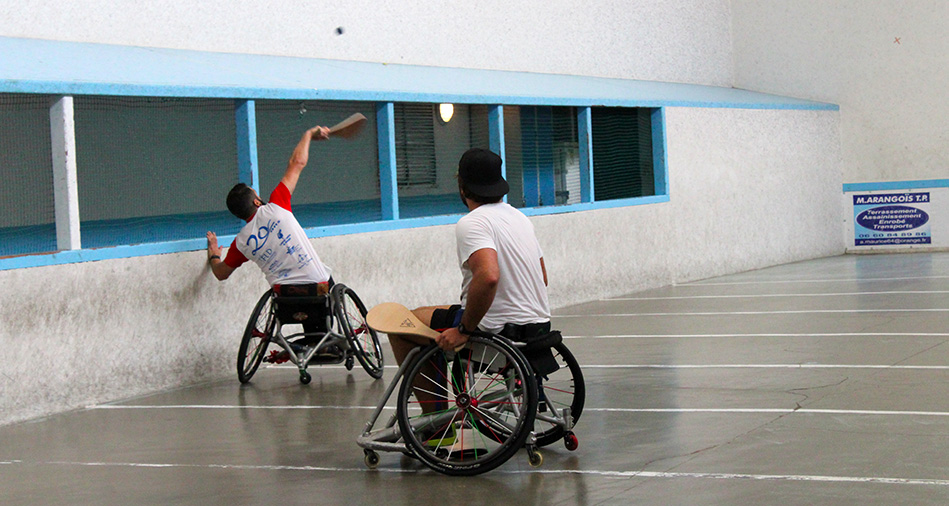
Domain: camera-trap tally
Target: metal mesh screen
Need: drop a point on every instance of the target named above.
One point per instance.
(341, 181)
(153, 169)
(27, 207)
(622, 153)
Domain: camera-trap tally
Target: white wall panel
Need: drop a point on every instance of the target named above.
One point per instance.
(667, 40)
(883, 62)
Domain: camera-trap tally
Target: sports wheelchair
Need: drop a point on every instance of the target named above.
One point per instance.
(343, 334)
(466, 412)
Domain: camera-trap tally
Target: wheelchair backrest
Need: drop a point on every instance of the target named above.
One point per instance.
(296, 309)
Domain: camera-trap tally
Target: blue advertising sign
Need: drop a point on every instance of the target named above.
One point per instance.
(893, 218)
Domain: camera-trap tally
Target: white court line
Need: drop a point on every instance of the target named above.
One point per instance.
(767, 366)
(773, 295)
(780, 411)
(836, 334)
(825, 280)
(747, 313)
(224, 406)
(714, 366)
(289, 365)
(585, 472)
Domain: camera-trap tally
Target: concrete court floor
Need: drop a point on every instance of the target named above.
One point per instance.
(820, 382)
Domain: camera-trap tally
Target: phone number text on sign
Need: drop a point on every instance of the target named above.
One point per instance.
(895, 218)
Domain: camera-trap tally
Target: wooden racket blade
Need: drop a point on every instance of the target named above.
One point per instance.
(349, 127)
(394, 318)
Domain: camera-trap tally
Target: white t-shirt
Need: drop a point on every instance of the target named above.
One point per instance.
(275, 241)
(521, 296)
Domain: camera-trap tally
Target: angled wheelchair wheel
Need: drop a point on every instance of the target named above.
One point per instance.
(256, 338)
(351, 315)
(468, 412)
(561, 389)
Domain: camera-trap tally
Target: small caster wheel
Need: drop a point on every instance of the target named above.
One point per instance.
(535, 458)
(570, 441)
(349, 363)
(305, 378)
(371, 459)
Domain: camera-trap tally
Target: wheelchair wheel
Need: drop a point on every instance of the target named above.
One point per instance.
(480, 420)
(256, 338)
(351, 314)
(561, 389)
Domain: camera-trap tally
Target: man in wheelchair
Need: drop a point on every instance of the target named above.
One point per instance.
(504, 287)
(275, 241)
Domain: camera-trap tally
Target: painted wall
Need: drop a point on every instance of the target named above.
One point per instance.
(666, 40)
(750, 188)
(883, 62)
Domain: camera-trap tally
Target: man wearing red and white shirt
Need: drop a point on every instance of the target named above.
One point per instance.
(275, 241)
(272, 237)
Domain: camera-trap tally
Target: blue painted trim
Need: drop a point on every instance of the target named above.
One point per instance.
(245, 114)
(897, 185)
(660, 169)
(56, 88)
(62, 88)
(496, 136)
(530, 154)
(73, 68)
(112, 253)
(388, 175)
(585, 132)
(119, 252)
(592, 206)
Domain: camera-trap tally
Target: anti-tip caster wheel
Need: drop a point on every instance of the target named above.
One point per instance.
(305, 378)
(349, 363)
(371, 459)
(535, 458)
(570, 441)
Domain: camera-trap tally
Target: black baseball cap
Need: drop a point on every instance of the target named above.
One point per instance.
(480, 170)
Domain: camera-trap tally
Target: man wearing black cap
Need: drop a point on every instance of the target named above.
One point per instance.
(505, 280)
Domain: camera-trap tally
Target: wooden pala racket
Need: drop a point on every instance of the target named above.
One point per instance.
(349, 127)
(394, 318)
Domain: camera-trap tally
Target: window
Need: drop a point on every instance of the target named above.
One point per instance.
(415, 145)
(153, 169)
(542, 155)
(427, 154)
(622, 153)
(27, 208)
(341, 181)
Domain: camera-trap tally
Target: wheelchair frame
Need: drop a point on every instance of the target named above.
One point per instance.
(353, 337)
(488, 406)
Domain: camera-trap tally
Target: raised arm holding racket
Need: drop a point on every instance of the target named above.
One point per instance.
(294, 262)
(272, 238)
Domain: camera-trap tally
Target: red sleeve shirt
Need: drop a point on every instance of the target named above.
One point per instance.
(234, 258)
(281, 197)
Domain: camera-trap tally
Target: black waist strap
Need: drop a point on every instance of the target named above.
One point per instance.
(525, 331)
